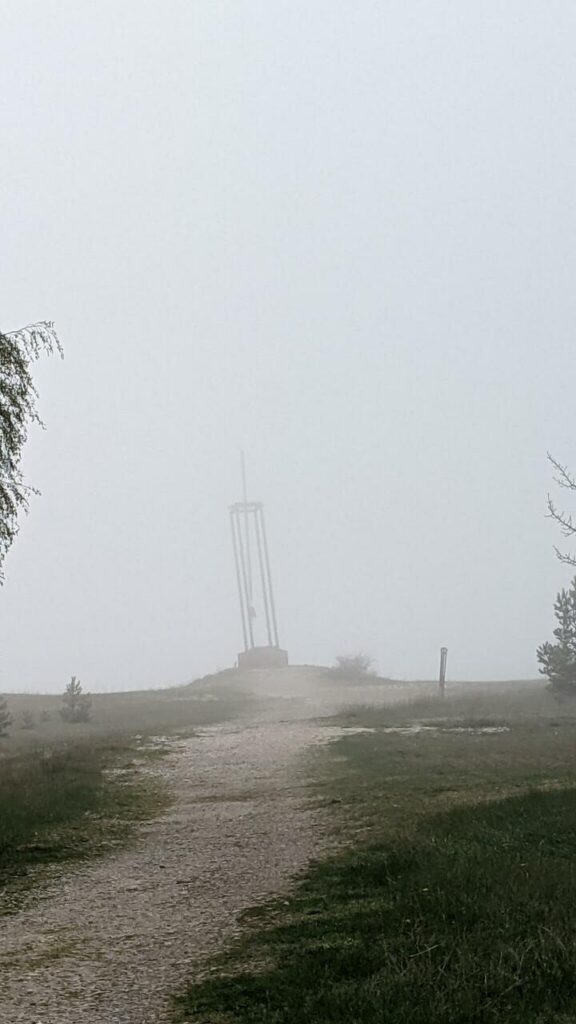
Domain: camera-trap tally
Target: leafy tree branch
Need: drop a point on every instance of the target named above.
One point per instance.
(18, 409)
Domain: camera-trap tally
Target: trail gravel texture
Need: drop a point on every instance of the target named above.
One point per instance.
(108, 943)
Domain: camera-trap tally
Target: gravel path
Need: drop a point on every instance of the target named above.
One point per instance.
(109, 942)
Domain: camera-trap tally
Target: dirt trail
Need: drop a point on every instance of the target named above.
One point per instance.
(110, 941)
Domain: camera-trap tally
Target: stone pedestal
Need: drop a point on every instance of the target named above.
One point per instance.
(263, 657)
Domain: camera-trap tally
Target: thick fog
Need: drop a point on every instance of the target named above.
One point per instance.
(337, 235)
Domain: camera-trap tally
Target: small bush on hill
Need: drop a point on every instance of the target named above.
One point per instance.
(353, 665)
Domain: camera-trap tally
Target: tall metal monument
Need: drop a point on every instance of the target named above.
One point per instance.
(254, 579)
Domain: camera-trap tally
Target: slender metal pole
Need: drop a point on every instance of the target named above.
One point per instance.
(245, 580)
(269, 576)
(247, 536)
(263, 577)
(238, 577)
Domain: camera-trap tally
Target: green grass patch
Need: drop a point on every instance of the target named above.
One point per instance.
(65, 803)
(69, 792)
(72, 791)
(453, 898)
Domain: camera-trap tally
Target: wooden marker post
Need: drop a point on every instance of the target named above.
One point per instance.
(443, 664)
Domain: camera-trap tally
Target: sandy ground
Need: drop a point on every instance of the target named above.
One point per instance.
(109, 942)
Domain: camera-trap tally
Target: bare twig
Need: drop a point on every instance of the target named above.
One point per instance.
(564, 519)
(564, 477)
(567, 559)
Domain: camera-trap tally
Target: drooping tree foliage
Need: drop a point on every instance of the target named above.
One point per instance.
(18, 409)
(558, 660)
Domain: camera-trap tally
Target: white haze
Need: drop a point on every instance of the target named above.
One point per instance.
(339, 235)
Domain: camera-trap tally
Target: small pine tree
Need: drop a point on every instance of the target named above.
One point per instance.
(558, 661)
(5, 717)
(77, 705)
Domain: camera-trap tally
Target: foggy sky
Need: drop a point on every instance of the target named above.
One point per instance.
(339, 235)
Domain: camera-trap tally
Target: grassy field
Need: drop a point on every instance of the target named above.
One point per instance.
(453, 895)
(69, 802)
(178, 709)
(72, 791)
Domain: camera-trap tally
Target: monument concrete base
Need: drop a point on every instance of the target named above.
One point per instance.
(263, 657)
